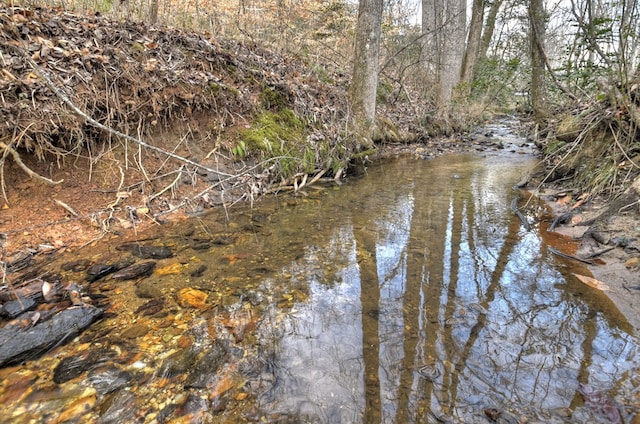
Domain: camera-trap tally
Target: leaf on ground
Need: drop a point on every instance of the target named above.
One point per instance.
(592, 282)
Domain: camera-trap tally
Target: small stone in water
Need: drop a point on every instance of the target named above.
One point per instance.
(192, 297)
(199, 271)
(135, 270)
(108, 379)
(148, 290)
(98, 271)
(137, 330)
(119, 408)
(69, 368)
(13, 308)
(147, 252)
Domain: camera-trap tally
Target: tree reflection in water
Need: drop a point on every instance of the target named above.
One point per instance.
(429, 301)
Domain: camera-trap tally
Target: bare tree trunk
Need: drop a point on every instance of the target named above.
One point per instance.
(489, 28)
(453, 37)
(364, 82)
(153, 12)
(537, 38)
(472, 51)
(430, 45)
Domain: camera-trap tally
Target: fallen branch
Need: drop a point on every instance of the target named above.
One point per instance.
(567, 256)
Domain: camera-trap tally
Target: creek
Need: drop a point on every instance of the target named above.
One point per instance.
(412, 294)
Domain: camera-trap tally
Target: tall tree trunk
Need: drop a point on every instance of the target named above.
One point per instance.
(430, 46)
(489, 28)
(537, 38)
(453, 37)
(364, 82)
(473, 44)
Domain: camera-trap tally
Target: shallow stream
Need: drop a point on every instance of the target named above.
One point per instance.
(413, 294)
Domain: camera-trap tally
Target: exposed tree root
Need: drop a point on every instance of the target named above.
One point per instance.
(65, 99)
(16, 158)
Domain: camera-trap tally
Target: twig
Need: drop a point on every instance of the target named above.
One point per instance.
(565, 255)
(65, 206)
(602, 252)
(173, 183)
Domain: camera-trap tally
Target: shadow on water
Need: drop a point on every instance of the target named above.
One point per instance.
(414, 295)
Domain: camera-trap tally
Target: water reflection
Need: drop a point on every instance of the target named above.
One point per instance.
(428, 301)
(414, 295)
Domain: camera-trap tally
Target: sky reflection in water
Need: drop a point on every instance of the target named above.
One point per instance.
(428, 299)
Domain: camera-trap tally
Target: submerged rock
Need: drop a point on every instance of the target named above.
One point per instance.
(108, 378)
(136, 270)
(119, 408)
(206, 368)
(147, 252)
(13, 308)
(18, 342)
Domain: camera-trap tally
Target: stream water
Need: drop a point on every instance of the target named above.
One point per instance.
(414, 294)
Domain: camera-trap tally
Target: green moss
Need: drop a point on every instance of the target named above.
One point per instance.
(272, 99)
(278, 135)
(554, 147)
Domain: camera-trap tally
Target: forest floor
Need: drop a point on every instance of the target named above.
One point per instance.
(130, 190)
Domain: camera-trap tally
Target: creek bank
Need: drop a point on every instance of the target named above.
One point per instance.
(612, 244)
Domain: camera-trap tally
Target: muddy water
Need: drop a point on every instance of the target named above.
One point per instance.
(411, 295)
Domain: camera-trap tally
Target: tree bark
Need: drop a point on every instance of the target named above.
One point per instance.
(489, 28)
(472, 51)
(453, 37)
(364, 82)
(430, 45)
(537, 39)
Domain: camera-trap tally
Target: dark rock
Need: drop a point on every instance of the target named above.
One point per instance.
(167, 412)
(13, 308)
(30, 290)
(98, 271)
(108, 379)
(193, 406)
(70, 368)
(76, 266)
(178, 363)
(19, 261)
(206, 368)
(200, 244)
(18, 343)
(152, 307)
(199, 271)
(118, 408)
(223, 240)
(147, 252)
(135, 270)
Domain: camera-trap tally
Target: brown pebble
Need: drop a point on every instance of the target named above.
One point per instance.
(135, 331)
(185, 342)
(632, 263)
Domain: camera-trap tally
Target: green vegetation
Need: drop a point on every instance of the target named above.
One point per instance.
(277, 135)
